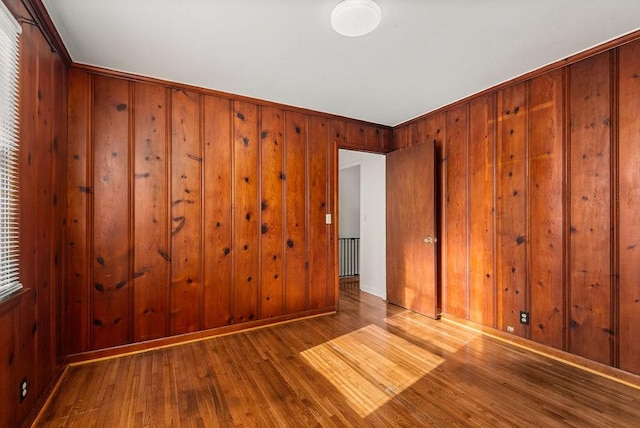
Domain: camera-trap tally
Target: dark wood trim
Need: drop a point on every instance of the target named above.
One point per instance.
(612, 44)
(195, 336)
(43, 21)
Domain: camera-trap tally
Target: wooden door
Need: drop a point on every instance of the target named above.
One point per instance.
(411, 229)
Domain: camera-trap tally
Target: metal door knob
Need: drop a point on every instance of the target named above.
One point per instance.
(430, 239)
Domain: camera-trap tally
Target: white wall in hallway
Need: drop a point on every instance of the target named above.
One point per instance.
(349, 207)
(373, 242)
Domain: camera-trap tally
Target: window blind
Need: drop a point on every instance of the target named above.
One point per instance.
(9, 204)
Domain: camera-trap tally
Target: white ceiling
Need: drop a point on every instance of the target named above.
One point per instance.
(423, 55)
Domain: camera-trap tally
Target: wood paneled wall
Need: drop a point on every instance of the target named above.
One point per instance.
(190, 210)
(540, 188)
(31, 326)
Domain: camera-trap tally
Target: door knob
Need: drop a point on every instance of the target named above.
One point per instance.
(430, 239)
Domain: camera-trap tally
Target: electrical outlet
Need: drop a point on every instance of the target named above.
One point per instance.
(524, 317)
(24, 388)
(510, 329)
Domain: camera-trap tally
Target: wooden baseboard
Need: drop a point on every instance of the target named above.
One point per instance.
(585, 364)
(34, 415)
(165, 342)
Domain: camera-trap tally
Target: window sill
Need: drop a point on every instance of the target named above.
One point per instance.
(9, 302)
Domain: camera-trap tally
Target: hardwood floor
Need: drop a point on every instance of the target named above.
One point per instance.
(372, 364)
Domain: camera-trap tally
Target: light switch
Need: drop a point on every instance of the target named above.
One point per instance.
(328, 219)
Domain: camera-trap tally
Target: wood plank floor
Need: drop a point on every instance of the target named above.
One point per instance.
(372, 364)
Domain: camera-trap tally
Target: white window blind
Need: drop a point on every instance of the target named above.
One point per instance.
(9, 215)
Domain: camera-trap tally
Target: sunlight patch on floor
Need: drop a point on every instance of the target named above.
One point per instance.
(424, 329)
(370, 366)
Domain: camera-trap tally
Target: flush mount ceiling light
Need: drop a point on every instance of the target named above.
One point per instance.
(353, 18)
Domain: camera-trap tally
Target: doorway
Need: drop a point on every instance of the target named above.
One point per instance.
(362, 216)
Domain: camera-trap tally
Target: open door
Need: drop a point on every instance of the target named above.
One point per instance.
(411, 229)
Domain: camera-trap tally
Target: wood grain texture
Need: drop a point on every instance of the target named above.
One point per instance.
(110, 286)
(246, 243)
(59, 223)
(566, 156)
(24, 358)
(435, 127)
(482, 181)
(590, 229)
(456, 275)
(333, 284)
(317, 208)
(8, 368)
(373, 364)
(32, 342)
(410, 199)
(151, 213)
(511, 209)
(206, 176)
(45, 177)
(373, 139)
(629, 191)
(272, 241)
(387, 140)
(217, 257)
(401, 137)
(186, 214)
(355, 135)
(338, 133)
(79, 183)
(296, 265)
(546, 217)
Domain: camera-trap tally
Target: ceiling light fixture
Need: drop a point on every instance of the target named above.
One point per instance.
(354, 18)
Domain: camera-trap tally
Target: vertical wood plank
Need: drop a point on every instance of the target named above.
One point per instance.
(457, 289)
(295, 250)
(59, 223)
(78, 198)
(217, 212)
(629, 191)
(8, 369)
(333, 292)
(43, 160)
(435, 127)
(186, 213)
(511, 216)
(482, 278)
(318, 231)
(387, 140)
(338, 132)
(25, 321)
(246, 241)
(590, 183)
(110, 293)
(417, 132)
(355, 135)
(151, 217)
(373, 138)
(400, 137)
(272, 239)
(546, 208)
